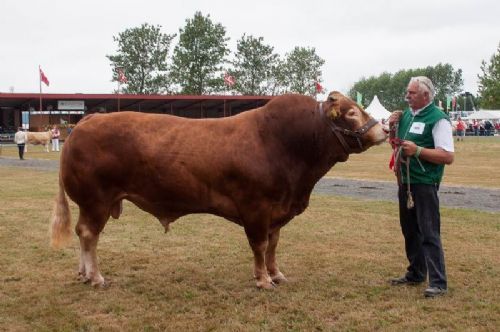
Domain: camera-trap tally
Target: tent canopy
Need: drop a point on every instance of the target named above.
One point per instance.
(485, 115)
(377, 110)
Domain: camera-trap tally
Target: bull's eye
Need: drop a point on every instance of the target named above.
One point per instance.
(352, 113)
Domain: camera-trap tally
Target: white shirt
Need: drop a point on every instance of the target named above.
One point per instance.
(442, 133)
(20, 137)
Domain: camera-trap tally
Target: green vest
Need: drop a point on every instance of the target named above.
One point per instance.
(418, 129)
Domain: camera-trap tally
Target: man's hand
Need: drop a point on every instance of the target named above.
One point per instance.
(409, 148)
(435, 156)
(395, 116)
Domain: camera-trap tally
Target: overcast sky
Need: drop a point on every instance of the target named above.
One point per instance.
(70, 39)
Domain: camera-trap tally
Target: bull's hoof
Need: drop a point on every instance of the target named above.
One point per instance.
(101, 285)
(82, 278)
(266, 285)
(279, 278)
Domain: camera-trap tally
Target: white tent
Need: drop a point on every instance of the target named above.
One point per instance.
(485, 115)
(377, 110)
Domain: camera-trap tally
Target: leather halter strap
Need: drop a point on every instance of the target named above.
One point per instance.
(341, 132)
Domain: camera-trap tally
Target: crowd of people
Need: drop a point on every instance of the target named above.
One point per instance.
(475, 128)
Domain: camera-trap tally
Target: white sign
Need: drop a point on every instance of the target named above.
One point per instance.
(417, 128)
(77, 105)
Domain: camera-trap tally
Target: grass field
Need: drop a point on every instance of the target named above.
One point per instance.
(338, 256)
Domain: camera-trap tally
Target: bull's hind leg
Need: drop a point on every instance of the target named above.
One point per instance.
(271, 264)
(88, 228)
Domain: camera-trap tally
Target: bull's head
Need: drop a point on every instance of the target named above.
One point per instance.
(355, 129)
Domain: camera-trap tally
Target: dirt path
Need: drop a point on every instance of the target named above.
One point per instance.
(450, 196)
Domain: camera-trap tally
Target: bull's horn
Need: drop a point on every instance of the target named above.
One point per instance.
(334, 111)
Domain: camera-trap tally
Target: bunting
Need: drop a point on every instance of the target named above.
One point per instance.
(121, 76)
(229, 80)
(359, 98)
(319, 87)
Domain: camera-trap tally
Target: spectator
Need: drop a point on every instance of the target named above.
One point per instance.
(460, 129)
(55, 138)
(475, 126)
(488, 128)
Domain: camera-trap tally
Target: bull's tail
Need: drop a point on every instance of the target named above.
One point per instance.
(60, 229)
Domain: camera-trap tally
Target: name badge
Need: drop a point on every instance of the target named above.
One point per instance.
(417, 128)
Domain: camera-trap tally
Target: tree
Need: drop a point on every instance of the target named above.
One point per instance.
(255, 64)
(489, 82)
(447, 82)
(199, 57)
(142, 54)
(391, 88)
(302, 69)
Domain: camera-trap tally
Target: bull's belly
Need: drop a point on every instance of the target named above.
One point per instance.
(176, 207)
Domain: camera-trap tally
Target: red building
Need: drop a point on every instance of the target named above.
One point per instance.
(23, 109)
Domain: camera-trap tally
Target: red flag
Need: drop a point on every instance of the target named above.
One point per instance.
(319, 88)
(229, 80)
(43, 78)
(121, 76)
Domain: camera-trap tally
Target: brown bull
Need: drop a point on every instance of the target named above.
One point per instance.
(256, 169)
(38, 138)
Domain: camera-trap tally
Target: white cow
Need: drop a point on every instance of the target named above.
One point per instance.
(38, 138)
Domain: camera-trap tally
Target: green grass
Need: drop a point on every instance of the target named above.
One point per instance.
(338, 256)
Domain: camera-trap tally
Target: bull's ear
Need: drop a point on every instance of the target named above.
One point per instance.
(334, 108)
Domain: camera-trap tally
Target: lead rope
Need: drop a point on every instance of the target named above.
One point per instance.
(409, 202)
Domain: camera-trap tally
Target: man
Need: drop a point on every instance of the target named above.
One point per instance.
(426, 143)
(460, 129)
(20, 140)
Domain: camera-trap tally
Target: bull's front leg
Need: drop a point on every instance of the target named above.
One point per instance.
(271, 264)
(257, 234)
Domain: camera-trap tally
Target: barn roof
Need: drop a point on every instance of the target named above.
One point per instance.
(143, 103)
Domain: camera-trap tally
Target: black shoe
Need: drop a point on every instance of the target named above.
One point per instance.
(404, 281)
(434, 291)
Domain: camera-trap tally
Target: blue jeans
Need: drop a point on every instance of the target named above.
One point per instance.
(421, 230)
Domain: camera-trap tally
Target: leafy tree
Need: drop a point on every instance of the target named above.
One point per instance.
(447, 82)
(255, 65)
(489, 82)
(301, 70)
(199, 56)
(278, 79)
(391, 88)
(142, 53)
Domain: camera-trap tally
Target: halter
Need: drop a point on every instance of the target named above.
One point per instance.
(341, 132)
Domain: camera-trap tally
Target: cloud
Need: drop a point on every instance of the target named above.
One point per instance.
(356, 38)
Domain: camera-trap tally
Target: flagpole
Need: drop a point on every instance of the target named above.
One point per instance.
(118, 95)
(40, 83)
